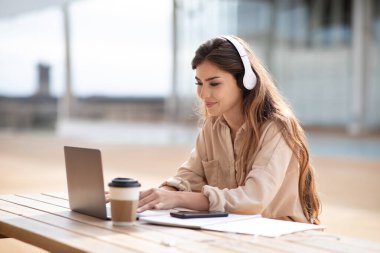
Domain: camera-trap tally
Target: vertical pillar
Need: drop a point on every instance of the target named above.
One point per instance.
(337, 21)
(317, 8)
(361, 34)
(273, 6)
(171, 101)
(65, 104)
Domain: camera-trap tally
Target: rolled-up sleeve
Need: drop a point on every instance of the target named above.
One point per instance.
(190, 176)
(262, 183)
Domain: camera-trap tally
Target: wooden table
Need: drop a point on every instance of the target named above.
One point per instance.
(46, 221)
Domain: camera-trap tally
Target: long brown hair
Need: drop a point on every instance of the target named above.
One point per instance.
(261, 104)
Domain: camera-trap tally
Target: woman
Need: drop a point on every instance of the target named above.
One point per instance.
(250, 155)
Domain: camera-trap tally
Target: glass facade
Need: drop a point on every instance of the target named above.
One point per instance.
(323, 55)
(25, 42)
(373, 116)
(307, 46)
(121, 48)
(114, 44)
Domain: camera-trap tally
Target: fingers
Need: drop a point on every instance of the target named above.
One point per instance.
(150, 199)
(148, 206)
(157, 199)
(143, 194)
(148, 203)
(147, 200)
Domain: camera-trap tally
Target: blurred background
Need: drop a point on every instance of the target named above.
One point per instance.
(116, 75)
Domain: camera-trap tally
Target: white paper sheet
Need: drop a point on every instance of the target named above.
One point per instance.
(263, 227)
(243, 224)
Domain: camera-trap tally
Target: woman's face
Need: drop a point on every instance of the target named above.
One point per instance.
(218, 90)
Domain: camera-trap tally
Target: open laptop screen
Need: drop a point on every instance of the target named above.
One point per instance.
(85, 181)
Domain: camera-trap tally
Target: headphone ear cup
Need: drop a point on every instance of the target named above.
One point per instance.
(249, 77)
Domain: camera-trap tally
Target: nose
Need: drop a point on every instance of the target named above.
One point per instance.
(203, 91)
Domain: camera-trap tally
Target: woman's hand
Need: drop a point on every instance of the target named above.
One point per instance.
(158, 199)
(167, 199)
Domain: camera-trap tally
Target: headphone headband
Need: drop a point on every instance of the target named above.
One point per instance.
(249, 78)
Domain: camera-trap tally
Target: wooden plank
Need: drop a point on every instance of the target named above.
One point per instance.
(145, 234)
(284, 244)
(299, 242)
(229, 241)
(180, 235)
(46, 199)
(261, 242)
(13, 245)
(198, 235)
(60, 195)
(365, 244)
(265, 244)
(49, 237)
(328, 242)
(159, 237)
(229, 244)
(192, 236)
(84, 230)
(274, 243)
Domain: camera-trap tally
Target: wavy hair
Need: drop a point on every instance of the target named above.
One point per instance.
(261, 104)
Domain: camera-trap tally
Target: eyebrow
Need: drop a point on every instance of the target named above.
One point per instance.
(208, 79)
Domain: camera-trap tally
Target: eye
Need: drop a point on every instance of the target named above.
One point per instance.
(214, 84)
(198, 83)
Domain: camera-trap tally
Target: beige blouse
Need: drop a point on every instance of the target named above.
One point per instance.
(269, 187)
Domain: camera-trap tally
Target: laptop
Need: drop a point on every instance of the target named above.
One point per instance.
(85, 183)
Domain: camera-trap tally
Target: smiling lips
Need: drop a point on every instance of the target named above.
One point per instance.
(210, 104)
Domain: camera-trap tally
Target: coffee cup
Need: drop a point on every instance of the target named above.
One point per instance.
(124, 198)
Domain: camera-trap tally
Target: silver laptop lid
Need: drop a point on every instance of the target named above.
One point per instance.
(85, 182)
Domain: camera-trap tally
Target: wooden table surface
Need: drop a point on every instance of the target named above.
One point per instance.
(46, 221)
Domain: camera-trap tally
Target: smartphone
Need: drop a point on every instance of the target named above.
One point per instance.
(197, 214)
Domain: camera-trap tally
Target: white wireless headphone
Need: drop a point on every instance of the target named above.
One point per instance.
(249, 79)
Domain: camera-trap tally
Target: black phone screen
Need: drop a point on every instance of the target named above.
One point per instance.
(197, 214)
